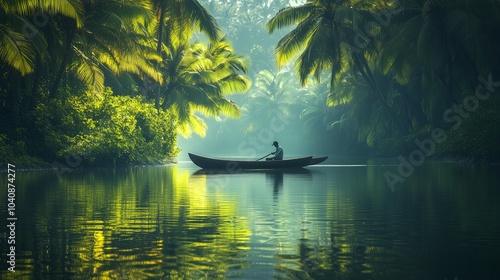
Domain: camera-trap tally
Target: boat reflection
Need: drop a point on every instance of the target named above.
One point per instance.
(274, 177)
(224, 171)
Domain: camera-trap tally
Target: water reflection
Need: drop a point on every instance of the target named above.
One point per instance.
(140, 223)
(176, 222)
(276, 178)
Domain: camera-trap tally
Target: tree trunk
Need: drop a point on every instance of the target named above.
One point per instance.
(161, 22)
(35, 98)
(12, 104)
(62, 68)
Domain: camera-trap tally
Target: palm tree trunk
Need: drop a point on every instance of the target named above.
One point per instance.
(35, 98)
(62, 68)
(13, 100)
(161, 22)
(418, 113)
(450, 81)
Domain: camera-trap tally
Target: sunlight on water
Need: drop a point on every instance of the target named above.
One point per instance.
(326, 222)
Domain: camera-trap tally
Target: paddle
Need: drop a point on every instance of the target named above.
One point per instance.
(264, 156)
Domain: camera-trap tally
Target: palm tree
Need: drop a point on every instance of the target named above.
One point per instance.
(197, 79)
(322, 39)
(176, 20)
(319, 114)
(272, 97)
(19, 37)
(443, 44)
(22, 46)
(109, 43)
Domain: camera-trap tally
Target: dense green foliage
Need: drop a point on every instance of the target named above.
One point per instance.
(104, 129)
(110, 82)
(388, 72)
(403, 68)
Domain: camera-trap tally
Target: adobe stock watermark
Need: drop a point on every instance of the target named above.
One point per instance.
(427, 147)
(72, 161)
(39, 20)
(12, 219)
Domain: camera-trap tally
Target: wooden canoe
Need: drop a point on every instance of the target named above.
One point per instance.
(234, 164)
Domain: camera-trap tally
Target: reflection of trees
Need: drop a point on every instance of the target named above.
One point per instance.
(162, 223)
(134, 223)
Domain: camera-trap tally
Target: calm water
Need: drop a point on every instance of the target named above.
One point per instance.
(336, 221)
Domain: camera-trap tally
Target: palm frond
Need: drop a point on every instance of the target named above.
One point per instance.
(290, 16)
(70, 8)
(234, 84)
(132, 9)
(16, 50)
(88, 72)
(398, 55)
(318, 54)
(110, 61)
(463, 25)
(295, 41)
(229, 108)
(198, 15)
(141, 67)
(198, 64)
(194, 124)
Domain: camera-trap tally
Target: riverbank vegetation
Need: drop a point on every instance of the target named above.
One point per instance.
(116, 82)
(111, 82)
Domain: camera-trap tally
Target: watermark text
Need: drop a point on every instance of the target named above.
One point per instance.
(11, 218)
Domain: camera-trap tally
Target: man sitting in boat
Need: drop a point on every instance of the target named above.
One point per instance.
(278, 154)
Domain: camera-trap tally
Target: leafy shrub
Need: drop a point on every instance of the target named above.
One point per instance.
(105, 129)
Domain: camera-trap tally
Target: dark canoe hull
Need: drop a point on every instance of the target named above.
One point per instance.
(317, 160)
(234, 165)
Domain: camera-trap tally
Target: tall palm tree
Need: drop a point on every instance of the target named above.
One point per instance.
(322, 40)
(19, 36)
(22, 46)
(108, 43)
(176, 20)
(198, 78)
(444, 44)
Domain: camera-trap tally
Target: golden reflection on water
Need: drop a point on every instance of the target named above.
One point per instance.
(173, 223)
(132, 224)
